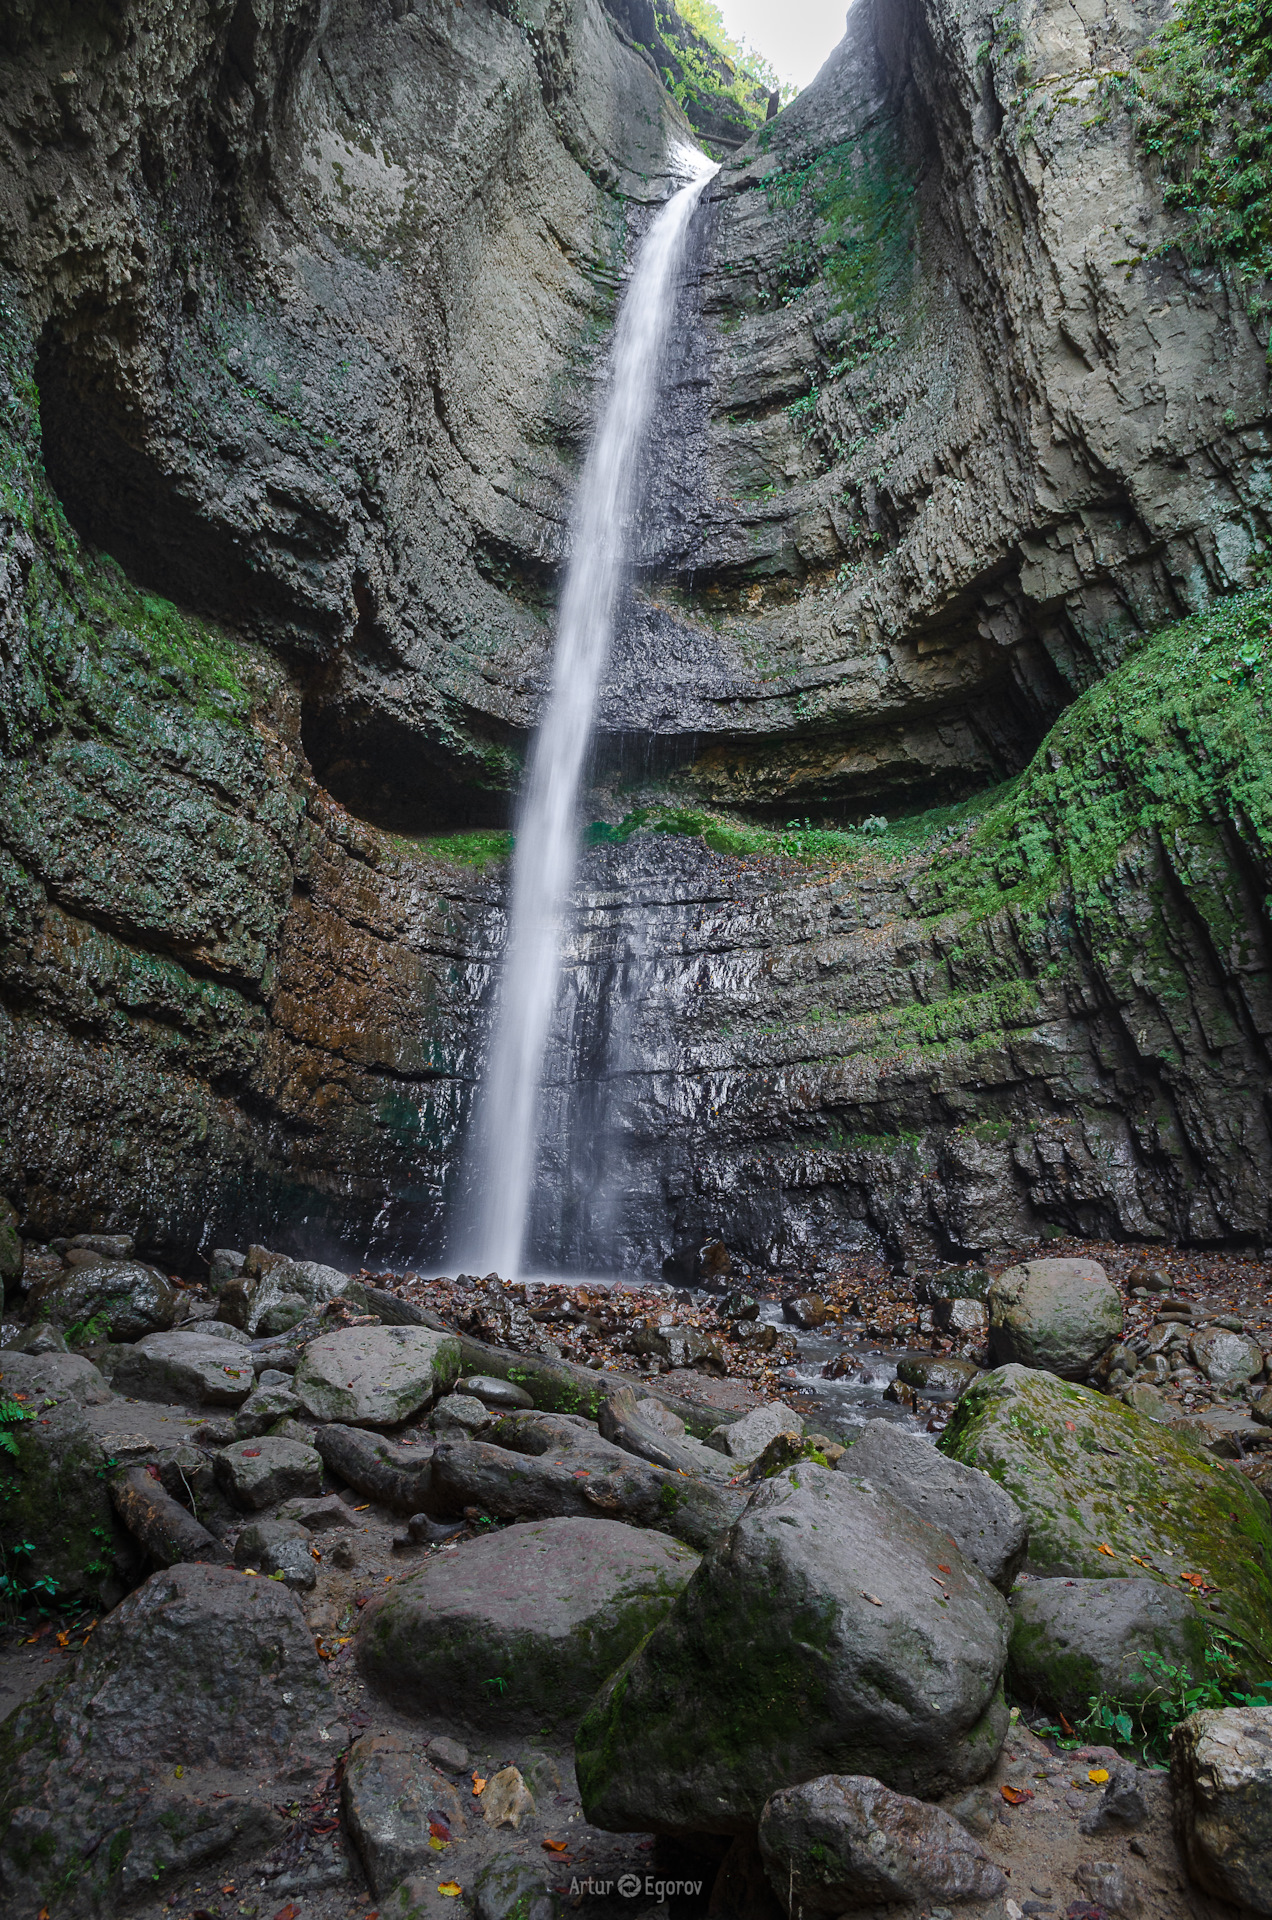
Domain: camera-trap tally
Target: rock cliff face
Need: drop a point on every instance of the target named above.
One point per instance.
(304, 308)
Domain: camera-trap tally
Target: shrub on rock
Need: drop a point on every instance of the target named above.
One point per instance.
(1058, 1315)
(831, 1631)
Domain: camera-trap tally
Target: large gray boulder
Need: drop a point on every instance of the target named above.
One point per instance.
(119, 1299)
(518, 1630)
(375, 1376)
(202, 1669)
(1221, 1769)
(831, 1631)
(980, 1517)
(847, 1841)
(1074, 1638)
(1108, 1494)
(1059, 1315)
(204, 1368)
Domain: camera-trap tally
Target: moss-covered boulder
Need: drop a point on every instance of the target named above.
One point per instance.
(831, 1631)
(1107, 1493)
(1056, 1314)
(517, 1631)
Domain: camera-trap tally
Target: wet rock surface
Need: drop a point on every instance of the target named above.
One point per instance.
(1073, 1640)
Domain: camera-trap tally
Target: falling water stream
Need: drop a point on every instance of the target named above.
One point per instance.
(503, 1153)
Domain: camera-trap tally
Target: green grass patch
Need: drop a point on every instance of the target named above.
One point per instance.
(480, 848)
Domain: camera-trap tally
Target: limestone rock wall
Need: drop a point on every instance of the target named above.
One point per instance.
(304, 303)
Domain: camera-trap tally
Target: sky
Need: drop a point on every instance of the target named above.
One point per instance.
(796, 35)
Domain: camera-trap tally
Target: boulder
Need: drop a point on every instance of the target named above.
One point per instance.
(1058, 1315)
(745, 1439)
(501, 1396)
(375, 1376)
(831, 1631)
(507, 1799)
(1227, 1359)
(395, 1806)
(278, 1547)
(847, 1841)
(259, 1473)
(1221, 1770)
(510, 1887)
(198, 1366)
(807, 1311)
(516, 1631)
(120, 1299)
(458, 1413)
(1107, 1494)
(1074, 1638)
(202, 1670)
(263, 1406)
(968, 1317)
(534, 1466)
(57, 1523)
(937, 1377)
(982, 1519)
(322, 1515)
(651, 1431)
(398, 1474)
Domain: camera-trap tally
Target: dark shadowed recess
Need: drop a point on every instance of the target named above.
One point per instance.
(391, 773)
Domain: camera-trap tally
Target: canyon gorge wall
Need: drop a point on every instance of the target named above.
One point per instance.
(304, 307)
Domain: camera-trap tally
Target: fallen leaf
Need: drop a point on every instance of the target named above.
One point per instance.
(449, 1887)
(556, 1846)
(289, 1912)
(1065, 1724)
(365, 1509)
(1103, 1549)
(1015, 1796)
(1193, 1579)
(940, 1568)
(230, 1889)
(1070, 1426)
(479, 1785)
(438, 1846)
(439, 1830)
(251, 1453)
(870, 1597)
(1140, 1563)
(1099, 1775)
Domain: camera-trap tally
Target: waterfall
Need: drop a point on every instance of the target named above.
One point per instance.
(504, 1148)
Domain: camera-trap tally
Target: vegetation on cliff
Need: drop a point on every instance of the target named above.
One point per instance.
(1199, 93)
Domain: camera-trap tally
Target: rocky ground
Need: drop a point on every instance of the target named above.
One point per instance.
(317, 1584)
